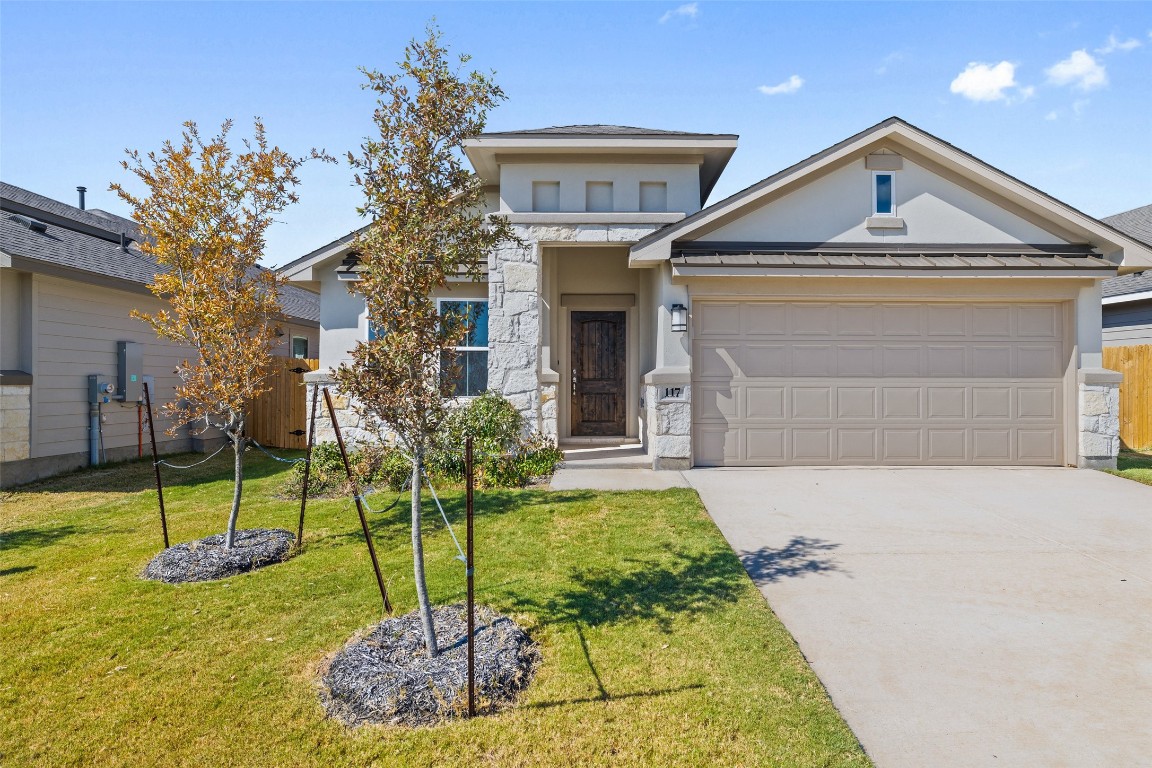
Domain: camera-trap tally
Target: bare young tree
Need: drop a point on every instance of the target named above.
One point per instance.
(204, 220)
(427, 225)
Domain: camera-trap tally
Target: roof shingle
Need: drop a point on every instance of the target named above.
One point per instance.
(1136, 223)
(90, 243)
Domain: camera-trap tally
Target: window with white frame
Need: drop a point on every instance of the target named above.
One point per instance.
(300, 347)
(471, 356)
(883, 193)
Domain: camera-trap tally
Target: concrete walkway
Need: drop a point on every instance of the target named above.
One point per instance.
(611, 468)
(960, 617)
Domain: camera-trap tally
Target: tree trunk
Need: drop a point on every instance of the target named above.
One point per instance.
(418, 561)
(238, 446)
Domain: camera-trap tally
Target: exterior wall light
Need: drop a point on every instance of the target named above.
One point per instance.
(679, 318)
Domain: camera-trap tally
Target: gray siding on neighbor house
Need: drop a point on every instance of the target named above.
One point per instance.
(1128, 324)
(76, 330)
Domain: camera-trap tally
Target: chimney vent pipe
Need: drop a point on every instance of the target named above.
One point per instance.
(81, 190)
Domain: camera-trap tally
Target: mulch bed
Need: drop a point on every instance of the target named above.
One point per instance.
(385, 676)
(208, 559)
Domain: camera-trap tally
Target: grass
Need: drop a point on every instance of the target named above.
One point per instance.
(658, 650)
(1134, 465)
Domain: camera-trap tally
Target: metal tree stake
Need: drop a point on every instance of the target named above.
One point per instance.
(359, 501)
(156, 463)
(307, 469)
(468, 470)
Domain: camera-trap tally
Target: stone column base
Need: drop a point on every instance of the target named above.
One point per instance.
(1099, 413)
(668, 402)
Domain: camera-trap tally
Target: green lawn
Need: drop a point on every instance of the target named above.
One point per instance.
(1135, 465)
(657, 648)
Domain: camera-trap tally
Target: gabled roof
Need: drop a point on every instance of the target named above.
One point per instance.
(1135, 223)
(657, 246)
(1136, 287)
(43, 235)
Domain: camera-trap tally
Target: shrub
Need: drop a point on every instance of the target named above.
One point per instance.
(505, 457)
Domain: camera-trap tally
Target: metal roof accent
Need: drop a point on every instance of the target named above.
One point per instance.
(931, 260)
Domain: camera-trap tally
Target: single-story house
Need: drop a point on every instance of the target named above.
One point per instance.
(890, 300)
(69, 278)
(1128, 299)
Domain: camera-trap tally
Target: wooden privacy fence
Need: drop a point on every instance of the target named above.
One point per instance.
(1135, 393)
(275, 417)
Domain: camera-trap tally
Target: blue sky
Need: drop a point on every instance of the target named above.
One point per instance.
(1057, 94)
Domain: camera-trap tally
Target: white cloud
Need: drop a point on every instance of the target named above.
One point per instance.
(791, 85)
(687, 11)
(1080, 70)
(1051, 115)
(1114, 44)
(985, 82)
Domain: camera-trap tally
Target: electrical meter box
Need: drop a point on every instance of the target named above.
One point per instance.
(130, 369)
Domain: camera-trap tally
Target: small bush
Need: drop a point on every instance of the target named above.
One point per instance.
(505, 457)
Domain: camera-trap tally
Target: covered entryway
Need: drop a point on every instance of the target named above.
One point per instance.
(896, 383)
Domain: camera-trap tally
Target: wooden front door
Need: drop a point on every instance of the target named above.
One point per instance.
(598, 369)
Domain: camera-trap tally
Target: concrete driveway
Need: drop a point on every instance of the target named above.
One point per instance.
(960, 617)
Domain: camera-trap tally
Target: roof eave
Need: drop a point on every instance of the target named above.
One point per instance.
(1135, 255)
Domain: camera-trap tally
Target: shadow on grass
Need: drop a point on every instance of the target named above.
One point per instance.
(797, 558)
(16, 569)
(31, 538)
(656, 590)
(137, 475)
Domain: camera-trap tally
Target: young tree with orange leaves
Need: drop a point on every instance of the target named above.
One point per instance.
(204, 220)
(427, 225)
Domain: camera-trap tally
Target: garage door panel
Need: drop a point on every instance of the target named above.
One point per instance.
(1038, 445)
(767, 446)
(812, 445)
(945, 320)
(856, 403)
(764, 402)
(902, 446)
(1037, 403)
(857, 319)
(991, 361)
(856, 360)
(947, 403)
(764, 320)
(1038, 361)
(857, 446)
(902, 360)
(758, 360)
(1038, 322)
(948, 446)
(992, 446)
(813, 360)
(992, 321)
(878, 383)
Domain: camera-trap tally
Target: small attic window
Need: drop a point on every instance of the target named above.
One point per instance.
(546, 196)
(883, 193)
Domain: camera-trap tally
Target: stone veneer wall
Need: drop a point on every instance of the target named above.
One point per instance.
(514, 286)
(15, 415)
(669, 425)
(353, 427)
(1099, 409)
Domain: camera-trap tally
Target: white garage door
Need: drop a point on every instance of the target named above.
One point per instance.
(877, 383)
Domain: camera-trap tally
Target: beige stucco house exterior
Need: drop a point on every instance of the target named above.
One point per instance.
(891, 300)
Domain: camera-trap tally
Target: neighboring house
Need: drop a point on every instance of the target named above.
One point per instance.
(890, 300)
(69, 279)
(1128, 299)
